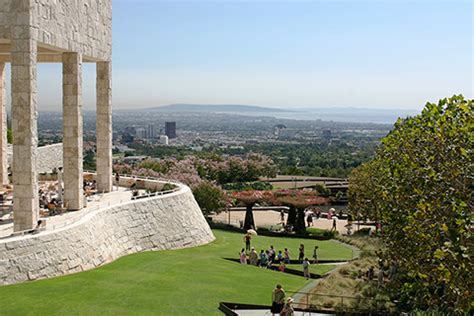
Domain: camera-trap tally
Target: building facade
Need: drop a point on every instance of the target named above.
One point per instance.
(51, 31)
(170, 129)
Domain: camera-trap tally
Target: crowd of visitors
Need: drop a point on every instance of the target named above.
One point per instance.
(275, 259)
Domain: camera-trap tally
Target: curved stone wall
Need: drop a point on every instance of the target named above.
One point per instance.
(169, 221)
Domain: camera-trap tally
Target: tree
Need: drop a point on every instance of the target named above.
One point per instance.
(249, 199)
(298, 201)
(10, 136)
(210, 197)
(421, 184)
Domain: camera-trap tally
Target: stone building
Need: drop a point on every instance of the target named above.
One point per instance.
(54, 31)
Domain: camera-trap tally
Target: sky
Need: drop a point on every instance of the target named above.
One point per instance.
(286, 54)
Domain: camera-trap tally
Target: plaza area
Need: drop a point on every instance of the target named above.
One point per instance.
(272, 219)
(94, 202)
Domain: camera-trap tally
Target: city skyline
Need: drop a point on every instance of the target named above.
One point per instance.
(370, 54)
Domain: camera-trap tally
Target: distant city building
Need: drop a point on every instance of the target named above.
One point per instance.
(141, 132)
(327, 134)
(170, 129)
(164, 140)
(277, 129)
(130, 130)
(288, 133)
(127, 137)
(151, 134)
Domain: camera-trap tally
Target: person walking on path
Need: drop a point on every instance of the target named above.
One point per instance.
(309, 219)
(117, 180)
(334, 223)
(301, 253)
(288, 309)
(306, 268)
(243, 257)
(278, 299)
(282, 216)
(247, 239)
(315, 255)
(253, 257)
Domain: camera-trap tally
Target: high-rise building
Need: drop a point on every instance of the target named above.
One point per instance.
(327, 134)
(164, 140)
(141, 132)
(151, 134)
(170, 129)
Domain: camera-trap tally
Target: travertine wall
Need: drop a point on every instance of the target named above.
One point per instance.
(82, 26)
(49, 157)
(72, 131)
(166, 222)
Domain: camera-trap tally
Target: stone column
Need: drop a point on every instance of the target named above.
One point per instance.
(72, 131)
(3, 128)
(104, 126)
(24, 126)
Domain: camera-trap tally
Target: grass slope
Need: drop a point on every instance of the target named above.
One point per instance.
(175, 282)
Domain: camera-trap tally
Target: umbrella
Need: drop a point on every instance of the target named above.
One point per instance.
(252, 232)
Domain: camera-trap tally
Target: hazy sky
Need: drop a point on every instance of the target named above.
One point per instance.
(387, 54)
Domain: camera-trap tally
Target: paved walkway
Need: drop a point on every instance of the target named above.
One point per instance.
(94, 202)
(272, 218)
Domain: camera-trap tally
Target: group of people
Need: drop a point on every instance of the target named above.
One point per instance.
(280, 303)
(268, 258)
(383, 270)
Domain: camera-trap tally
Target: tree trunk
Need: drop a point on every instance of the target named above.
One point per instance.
(300, 221)
(249, 222)
(291, 220)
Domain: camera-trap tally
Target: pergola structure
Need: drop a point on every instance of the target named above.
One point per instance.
(54, 31)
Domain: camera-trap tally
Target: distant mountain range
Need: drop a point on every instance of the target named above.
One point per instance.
(216, 108)
(337, 114)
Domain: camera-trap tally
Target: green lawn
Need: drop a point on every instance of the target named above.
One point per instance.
(176, 282)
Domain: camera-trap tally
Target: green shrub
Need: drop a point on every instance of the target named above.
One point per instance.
(321, 232)
(362, 232)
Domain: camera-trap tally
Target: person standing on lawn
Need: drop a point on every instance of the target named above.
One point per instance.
(301, 253)
(278, 299)
(306, 268)
(243, 257)
(315, 255)
(263, 259)
(247, 239)
(287, 256)
(253, 257)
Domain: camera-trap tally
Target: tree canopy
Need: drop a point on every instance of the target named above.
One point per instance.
(420, 186)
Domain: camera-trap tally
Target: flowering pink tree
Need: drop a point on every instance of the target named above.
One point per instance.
(298, 201)
(249, 199)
